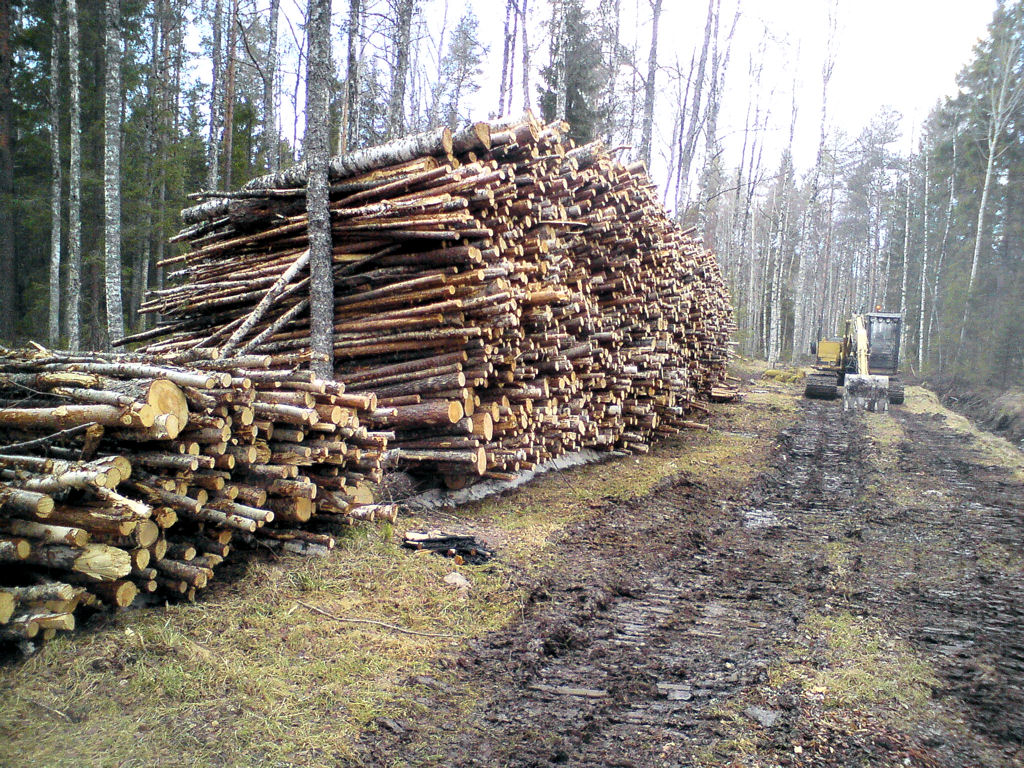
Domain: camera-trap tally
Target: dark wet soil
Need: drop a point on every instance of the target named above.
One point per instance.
(656, 637)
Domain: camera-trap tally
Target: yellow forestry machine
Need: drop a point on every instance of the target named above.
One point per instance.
(864, 362)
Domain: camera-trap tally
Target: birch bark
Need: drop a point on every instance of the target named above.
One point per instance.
(74, 298)
(56, 179)
(112, 172)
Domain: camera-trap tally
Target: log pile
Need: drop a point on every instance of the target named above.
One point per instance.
(120, 476)
(506, 296)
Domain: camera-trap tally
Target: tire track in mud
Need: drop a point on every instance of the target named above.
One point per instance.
(964, 606)
(661, 610)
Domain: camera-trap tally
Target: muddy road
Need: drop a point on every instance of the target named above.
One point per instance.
(859, 603)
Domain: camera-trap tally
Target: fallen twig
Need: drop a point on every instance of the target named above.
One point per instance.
(393, 627)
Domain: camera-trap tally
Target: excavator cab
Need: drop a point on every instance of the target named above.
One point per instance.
(883, 342)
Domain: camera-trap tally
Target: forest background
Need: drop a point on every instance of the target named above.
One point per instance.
(113, 111)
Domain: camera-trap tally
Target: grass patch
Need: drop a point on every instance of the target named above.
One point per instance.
(995, 450)
(785, 375)
(861, 664)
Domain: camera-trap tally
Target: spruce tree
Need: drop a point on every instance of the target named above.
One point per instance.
(578, 50)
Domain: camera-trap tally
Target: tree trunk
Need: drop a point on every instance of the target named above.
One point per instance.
(314, 145)
(55, 180)
(719, 69)
(647, 126)
(229, 95)
(932, 330)
(526, 54)
(352, 76)
(505, 85)
(400, 74)
(558, 43)
(112, 171)
(924, 270)
(213, 148)
(270, 140)
(689, 147)
(8, 296)
(74, 300)
(507, 108)
(1005, 96)
(978, 235)
(906, 260)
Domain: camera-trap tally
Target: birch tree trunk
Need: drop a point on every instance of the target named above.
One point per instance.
(74, 299)
(1005, 97)
(55, 179)
(924, 270)
(112, 171)
(647, 126)
(352, 116)
(7, 283)
(934, 318)
(906, 258)
(314, 145)
(400, 74)
(271, 145)
(213, 148)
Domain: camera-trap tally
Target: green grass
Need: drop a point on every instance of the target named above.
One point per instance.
(863, 664)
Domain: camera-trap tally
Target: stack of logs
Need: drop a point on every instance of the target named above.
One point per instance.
(120, 476)
(507, 296)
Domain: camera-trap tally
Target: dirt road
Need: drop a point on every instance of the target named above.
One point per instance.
(859, 603)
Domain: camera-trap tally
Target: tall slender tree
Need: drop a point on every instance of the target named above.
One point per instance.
(74, 296)
(647, 125)
(216, 87)
(506, 55)
(1003, 88)
(523, 29)
(7, 276)
(112, 171)
(400, 72)
(271, 142)
(352, 84)
(228, 141)
(56, 177)
(315, 150)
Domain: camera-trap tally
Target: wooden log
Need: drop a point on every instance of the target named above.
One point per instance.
(97, 561)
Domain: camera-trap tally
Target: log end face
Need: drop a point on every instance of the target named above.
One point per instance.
(455, 411)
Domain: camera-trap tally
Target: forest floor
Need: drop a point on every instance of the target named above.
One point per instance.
(799, 586)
